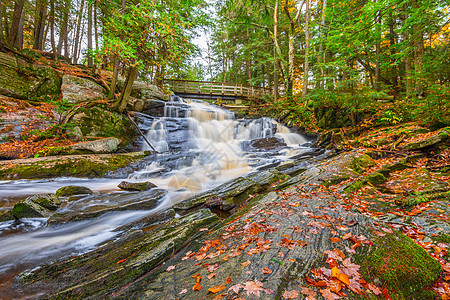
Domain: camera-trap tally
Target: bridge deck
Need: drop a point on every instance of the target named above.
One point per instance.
(207, 89)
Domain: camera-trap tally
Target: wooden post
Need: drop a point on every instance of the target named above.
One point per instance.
(185, 86)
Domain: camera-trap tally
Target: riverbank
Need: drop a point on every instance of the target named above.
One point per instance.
(371, 222)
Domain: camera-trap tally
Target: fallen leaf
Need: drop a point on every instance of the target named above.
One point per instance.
(220, 296)
(228, 280)
(235, 288)
(308, 292)
(347, 236)
(335, 272)
(376, 290)
(211, 275)
(121, 261)
(196, 287)
(245, 264)
(184, 291)
(290, 294)
(216, 289)
(170, 268)
(386, 294)
(327, 294)
(253, 287)
(335, 239)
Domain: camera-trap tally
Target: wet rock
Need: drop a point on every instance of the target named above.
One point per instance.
(88, 165)
(98, 273)
(76, 89)
(427, 140)
(27, 80)
(268, 144)
(150, 221)
(6, 215)
(107, 145)
(136, 186)
(37, 206)
(73, 190)
(96, 205)
(228, 195)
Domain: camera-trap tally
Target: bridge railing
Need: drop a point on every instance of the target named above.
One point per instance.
(215, 88)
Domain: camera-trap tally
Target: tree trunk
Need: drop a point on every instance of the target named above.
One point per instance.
(126, 91)
(66, 30)
(39, 24)
(77, 34)
(89, 35)
(377, 51)
(17, 21)
(248, 61)
(95, 26)
(418, 53)
(306, 66)
(392, 40)
(52, 29)
(2, 28)
(322, 82)
(275, 61)
(112, 90)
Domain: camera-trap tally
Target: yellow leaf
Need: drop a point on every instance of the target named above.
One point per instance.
(216, 289)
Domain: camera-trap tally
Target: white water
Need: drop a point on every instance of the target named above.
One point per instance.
(209, 153)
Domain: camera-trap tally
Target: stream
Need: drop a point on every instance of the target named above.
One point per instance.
(200, 146)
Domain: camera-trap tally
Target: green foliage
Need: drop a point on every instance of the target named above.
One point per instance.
(390, 118)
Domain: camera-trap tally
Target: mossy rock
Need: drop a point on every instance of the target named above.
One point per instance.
(72, 165)
(29, 81)
(48, 201)
(361, 162)
(376, 178)
(136, 186)
(5, 216)
(355, 185)
(405, 268)
(72, 190)
(99, 122)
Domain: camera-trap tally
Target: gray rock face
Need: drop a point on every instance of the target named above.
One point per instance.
(97, 205)
(73, 190)
(438, 137)
(37, 206)
(107, 145)
(136, 186)
(76, 89)
(271, 143)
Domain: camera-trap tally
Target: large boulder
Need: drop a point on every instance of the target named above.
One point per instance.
(143, 90)
(99, 122)
(26, 80)
(37, 206)
(426, 140)
(76, 89)
(106, 145)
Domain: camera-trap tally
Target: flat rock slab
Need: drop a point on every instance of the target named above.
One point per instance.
(96, 205)
(87, 165)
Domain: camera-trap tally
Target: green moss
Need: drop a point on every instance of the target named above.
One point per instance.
(6, 216)
(361, 163)
(405, 268)
(376, 178)
(72, 190)
(89, 166)
(356, 185)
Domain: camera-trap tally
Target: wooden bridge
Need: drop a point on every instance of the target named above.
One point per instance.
(214, 90)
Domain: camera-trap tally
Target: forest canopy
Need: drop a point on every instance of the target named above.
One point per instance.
(315, 55)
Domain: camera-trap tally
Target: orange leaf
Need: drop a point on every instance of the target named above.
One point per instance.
(267, 271)
(246, 263)
(228, 280)
(121, 261)
(197, 287)
(335, 272)
(335, 239)
(216, 289)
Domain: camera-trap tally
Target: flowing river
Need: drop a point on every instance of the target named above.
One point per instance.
(200, 146)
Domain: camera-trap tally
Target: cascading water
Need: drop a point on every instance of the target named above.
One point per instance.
(200, 146)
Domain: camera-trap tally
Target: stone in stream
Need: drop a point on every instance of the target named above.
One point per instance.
(268, 144)
(136, 186)
(6, 215)
(37, 206)
(72, 190)
(106, 145)
(94, 206)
